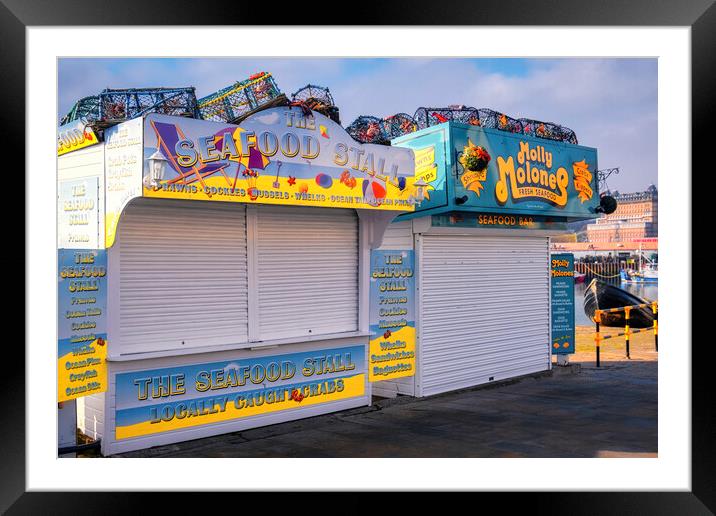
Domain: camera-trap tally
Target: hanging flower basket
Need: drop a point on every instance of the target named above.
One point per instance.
(474, 157)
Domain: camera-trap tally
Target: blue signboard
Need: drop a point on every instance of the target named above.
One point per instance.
(170, 398)
(562, 278)
(494, 171)
(526, 174)
(392, 314)
(81, 322)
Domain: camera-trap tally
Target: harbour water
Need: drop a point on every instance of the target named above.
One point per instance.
(648, 292)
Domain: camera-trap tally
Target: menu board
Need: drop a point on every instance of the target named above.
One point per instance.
(562, 278)
(392, 315)
(122, 171)
(81, 322)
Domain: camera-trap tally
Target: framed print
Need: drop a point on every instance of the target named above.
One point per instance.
(341, 269)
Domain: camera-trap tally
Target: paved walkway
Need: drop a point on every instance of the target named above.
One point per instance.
(605, 412)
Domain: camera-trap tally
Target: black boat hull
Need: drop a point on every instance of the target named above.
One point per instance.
(602, 296)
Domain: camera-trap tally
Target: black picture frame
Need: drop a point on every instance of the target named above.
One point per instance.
(700, 15)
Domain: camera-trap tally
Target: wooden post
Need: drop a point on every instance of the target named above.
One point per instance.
(597, 337)
(627, 311)
(655, 309)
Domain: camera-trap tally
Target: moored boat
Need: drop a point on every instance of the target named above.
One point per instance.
(579, 277)
(648, 274)
(602, 296)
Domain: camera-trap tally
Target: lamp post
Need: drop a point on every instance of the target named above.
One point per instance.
(157, 166)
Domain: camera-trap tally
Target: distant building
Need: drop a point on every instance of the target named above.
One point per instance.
(567, 237)
(636, 217)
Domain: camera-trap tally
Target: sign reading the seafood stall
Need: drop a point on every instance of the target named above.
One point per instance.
(562, 278)
(182, 396)
(392, 315)
(278, 156)
(82, 323)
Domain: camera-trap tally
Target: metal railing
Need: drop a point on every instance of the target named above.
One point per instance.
(598, 337)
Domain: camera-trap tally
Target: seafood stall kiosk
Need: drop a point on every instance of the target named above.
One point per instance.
(216, 277)
(480, 241)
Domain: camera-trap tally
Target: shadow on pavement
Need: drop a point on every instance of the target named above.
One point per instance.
(609, 411)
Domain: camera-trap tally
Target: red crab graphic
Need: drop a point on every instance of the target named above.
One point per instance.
(296, 396)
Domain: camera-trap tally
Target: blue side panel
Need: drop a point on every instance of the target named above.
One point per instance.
(433, 162)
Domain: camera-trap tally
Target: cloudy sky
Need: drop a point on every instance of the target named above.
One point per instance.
(610, 103)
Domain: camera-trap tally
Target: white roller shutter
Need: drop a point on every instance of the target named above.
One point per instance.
(307, 271)
(183, 276)
(485, 309)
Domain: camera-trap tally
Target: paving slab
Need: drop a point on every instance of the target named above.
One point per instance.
(574, 411)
